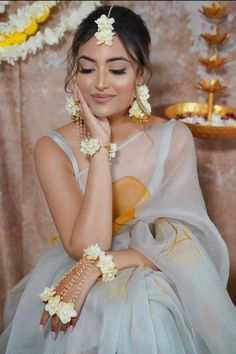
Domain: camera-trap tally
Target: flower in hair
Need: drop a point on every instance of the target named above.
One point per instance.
(105, 33)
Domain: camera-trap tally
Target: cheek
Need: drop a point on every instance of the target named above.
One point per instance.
(84, 82)
(124, 89)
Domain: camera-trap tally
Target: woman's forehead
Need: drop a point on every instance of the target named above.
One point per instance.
(103, 52)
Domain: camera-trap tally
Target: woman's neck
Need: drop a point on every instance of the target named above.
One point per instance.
(122, 128)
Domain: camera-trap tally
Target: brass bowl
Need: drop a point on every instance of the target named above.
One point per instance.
(203, 131)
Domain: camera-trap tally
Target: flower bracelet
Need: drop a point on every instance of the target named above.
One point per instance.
(66, 310)
(89, 147)
(104, 262)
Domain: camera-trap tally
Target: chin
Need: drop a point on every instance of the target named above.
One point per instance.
(101, 112)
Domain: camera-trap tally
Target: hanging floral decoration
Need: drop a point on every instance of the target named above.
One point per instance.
(25, 22)
(14, 41)
(3, 5)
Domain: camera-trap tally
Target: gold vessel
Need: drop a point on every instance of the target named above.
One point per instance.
(178, 110)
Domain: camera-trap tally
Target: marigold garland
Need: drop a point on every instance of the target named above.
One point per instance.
(12, 53)
(25, 22)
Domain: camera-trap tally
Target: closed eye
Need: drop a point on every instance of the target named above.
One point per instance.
(86, 71)
(118, 72)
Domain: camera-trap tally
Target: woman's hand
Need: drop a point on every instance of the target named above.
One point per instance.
(98, 127)
(88, 278)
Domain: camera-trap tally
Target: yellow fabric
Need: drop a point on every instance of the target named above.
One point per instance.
(128, 192)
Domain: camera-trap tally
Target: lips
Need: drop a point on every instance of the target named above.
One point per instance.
(102, 97)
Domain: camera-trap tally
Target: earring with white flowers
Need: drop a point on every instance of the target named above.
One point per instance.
(140, 109)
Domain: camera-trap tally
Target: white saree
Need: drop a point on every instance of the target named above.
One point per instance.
(158, 210)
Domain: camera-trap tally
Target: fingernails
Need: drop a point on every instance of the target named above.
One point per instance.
(70, 328)
(53, 334)
(40, 328)
(62, 333)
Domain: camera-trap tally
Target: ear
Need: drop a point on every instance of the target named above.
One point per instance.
(141, 76)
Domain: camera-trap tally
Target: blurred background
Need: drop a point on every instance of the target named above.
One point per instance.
(32, 102)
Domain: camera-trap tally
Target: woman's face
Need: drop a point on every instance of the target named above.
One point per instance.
(106, 77)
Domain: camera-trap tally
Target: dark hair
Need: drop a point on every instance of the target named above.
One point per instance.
(130, 28)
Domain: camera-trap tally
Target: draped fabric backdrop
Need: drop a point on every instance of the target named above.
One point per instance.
(33, 103)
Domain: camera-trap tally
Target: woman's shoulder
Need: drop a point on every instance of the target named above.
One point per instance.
(46, 148)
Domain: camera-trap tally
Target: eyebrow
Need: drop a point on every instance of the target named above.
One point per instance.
(107, 61)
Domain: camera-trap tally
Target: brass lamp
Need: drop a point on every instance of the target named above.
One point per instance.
(211, 86)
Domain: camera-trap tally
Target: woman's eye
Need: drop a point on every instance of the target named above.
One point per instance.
(118, 72)
(86, 71)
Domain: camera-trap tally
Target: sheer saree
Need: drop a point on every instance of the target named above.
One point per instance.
(158, 210)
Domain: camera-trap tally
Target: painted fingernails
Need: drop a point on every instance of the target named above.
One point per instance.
(70, 328)
(40, 328)
(62, 333)
(53, 334)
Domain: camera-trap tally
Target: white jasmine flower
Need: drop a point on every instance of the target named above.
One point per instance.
(135, 110)
(53, 305)
(65, 311)
(50, 37)
(109, 275)
(104, 37)
(90, 146)
(107, 267)
(71, 107)
(105, 33)
(143, 93)
(23, 18)
(47, 294)
(105, 23)
(92, 252)
(3, 4)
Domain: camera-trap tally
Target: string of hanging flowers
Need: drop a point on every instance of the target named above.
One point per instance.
(25, 22)
(3, 5)
(50, 36)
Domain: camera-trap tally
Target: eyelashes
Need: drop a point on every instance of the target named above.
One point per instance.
(113, 71)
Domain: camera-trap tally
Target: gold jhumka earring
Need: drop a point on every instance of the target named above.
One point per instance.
(140, 109)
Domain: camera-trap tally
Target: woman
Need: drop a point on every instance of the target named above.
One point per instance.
(139, 267)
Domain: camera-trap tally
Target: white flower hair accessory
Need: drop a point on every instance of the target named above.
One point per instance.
(105, 29)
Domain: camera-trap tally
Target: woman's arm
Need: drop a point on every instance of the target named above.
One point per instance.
(80, 220)
(130, 258)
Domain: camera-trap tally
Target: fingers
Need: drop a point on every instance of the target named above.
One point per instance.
(63, 328)
(85, 107)
(44, 319)
(54, 324)
(73, 321)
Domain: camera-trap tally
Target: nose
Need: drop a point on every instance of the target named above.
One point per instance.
(102, 80)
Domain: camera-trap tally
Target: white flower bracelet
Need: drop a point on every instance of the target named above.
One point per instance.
(89, 147)
(105, 262)
(66, 310)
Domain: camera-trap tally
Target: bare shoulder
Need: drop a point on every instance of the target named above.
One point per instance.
(46, 150)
